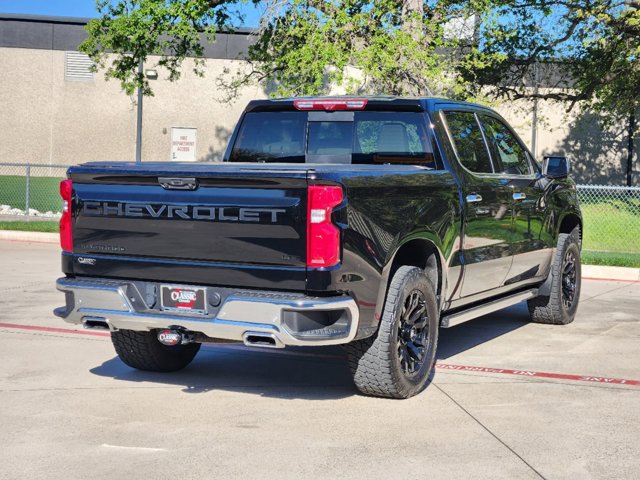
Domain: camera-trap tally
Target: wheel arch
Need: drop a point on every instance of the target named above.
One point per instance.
(570, 221)
(417, 252)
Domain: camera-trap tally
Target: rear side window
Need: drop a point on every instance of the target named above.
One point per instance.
(366, 138)
(505, 148)
(468, 141)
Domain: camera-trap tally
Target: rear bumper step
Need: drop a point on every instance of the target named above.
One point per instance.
(257, 318)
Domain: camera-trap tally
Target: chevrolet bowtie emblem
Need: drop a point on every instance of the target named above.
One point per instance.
(178, 183)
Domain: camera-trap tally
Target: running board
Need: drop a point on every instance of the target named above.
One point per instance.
(475, 312)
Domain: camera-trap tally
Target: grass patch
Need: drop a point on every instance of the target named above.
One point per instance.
(44, 192)
(611, 227)
(611, 259)
(31, 226)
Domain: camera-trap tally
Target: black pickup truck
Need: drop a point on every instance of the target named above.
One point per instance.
(368, 222)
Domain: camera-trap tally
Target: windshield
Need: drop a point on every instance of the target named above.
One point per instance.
(316, 137)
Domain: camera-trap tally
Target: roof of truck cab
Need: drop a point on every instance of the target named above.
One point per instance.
(395, 102)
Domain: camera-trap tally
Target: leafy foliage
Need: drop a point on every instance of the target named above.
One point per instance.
(311, 47)
(172, 29)
(587, 50)
(308, 47)
(304, 47)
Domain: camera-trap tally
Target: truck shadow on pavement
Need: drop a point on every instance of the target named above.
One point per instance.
(307, 373)
(299, 373)
(465, 336)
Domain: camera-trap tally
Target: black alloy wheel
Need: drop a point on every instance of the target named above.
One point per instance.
(569, 279)
(413, 335)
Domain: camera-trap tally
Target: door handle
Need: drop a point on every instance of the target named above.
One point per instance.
(519, 196)
(474, 198)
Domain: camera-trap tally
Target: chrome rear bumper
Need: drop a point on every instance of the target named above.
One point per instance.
(242, 315)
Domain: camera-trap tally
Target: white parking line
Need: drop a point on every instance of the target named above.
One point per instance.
(138, 449)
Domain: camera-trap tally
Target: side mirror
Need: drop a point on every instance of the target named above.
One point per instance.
(555, 167)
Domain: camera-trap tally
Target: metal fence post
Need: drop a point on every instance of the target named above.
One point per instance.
(28, 190)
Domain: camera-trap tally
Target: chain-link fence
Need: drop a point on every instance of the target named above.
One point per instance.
(611, 218)
(30, 191)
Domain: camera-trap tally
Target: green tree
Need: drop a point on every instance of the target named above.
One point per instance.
(592, 47)
(308, 47)
(586, 51)
(127, 32)
(304, 47)
(397, 46)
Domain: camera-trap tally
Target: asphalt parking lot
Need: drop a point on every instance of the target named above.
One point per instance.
(509, 399)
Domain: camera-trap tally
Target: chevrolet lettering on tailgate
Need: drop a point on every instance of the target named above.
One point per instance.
(185, 212)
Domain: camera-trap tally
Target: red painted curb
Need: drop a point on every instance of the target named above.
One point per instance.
(53, 329)
(611, 279)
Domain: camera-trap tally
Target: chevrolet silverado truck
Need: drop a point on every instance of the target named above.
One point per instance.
(364, 222)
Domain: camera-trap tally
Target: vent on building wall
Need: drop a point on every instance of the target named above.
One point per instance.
(77, 66)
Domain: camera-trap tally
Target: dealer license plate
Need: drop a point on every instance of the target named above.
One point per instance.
(183, 299)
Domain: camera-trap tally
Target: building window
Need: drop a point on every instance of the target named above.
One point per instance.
(77, 67)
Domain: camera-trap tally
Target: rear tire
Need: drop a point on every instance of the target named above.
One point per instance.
(143, 351)
(560, 306)
(398, 360)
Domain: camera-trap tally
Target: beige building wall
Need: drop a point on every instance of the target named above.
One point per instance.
(47, 119)
(597, 155)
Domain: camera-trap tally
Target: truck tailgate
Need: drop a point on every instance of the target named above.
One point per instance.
(161, 223)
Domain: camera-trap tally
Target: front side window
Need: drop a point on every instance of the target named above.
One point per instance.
(510, 156)
(369, 138)
(468, 141)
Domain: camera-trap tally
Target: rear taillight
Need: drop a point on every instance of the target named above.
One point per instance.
(66, 239)
(323, 237)
(331, 105)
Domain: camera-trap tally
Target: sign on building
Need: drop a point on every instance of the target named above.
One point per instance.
(183, 144)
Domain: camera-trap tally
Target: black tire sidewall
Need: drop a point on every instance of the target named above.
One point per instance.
(143, 351)
(571, 245)
(414, 279)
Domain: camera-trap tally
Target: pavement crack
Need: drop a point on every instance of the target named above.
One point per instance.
(488, 430)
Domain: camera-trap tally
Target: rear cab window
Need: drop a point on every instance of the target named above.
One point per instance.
(348, 137)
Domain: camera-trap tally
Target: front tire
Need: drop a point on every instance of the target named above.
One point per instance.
(143, 351)
(398, 360)
(560, 306)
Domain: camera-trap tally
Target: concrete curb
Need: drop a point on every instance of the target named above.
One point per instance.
(20, 236)
(594, 272)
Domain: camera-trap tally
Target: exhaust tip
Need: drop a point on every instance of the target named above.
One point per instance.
(263, 340)
(95, 323)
